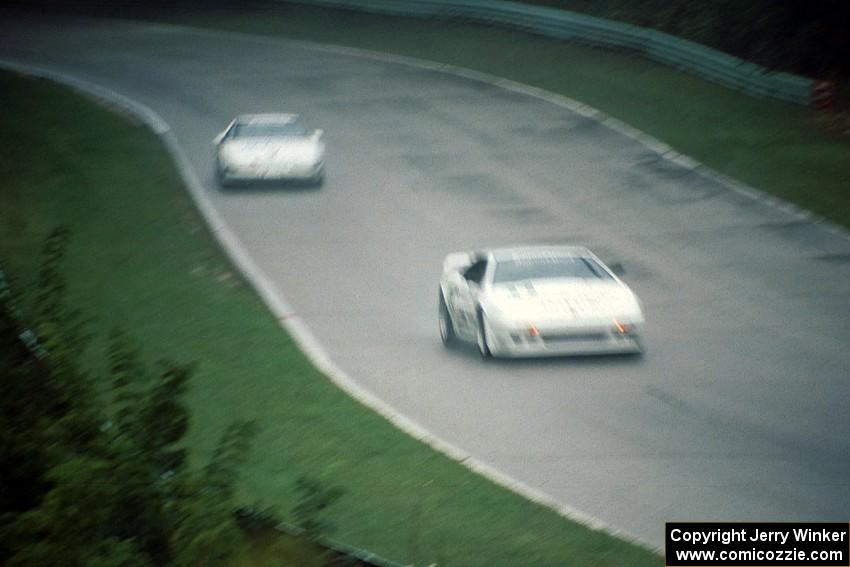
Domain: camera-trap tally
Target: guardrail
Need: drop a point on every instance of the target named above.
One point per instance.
(704, 61)
(345, 554)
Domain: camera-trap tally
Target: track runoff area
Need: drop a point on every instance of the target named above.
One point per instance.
(760, 544)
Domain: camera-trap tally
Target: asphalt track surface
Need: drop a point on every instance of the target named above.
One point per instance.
(739, 410)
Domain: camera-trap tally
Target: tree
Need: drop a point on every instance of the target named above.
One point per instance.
(89, 479)
(313, 500)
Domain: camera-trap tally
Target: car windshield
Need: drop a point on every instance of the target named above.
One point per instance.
(548, 267)
(269, 129)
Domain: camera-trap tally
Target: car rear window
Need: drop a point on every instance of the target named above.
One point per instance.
(548, 267)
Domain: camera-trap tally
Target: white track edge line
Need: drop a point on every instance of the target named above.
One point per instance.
(296, 326)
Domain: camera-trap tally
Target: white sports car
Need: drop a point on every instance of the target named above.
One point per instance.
(537, 301)
(257, 147)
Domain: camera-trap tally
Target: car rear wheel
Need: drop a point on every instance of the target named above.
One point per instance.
(447, 328)
(481, 338)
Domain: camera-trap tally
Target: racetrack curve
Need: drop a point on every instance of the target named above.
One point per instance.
(737, 412)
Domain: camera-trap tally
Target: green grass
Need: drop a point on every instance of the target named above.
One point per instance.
(140, 258)
(789, 151)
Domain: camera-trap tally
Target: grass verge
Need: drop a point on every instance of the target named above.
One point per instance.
(141, 258)
(795, 153)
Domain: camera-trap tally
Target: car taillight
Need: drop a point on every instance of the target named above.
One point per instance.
(623, 328)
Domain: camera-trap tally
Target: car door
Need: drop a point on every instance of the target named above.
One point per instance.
(465, 300)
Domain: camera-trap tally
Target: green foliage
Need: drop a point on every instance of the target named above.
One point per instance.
(313, 499)
(62, 328)
(163, 419)
(61, 332)
(232, 450)
(804, 36)
(94, 480)
(216, 545)
(73, 522)
(207, 533)
(27, 404)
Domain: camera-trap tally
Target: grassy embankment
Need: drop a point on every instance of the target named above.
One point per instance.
(141, 258)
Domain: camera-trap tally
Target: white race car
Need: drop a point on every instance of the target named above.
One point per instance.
(256, 147)
(537, 301)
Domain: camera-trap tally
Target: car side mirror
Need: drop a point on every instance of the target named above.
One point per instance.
(618, 268)
(456, 261)
(318, 133)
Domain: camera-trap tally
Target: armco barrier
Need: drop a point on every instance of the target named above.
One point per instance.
(706, 62)
(347, 554)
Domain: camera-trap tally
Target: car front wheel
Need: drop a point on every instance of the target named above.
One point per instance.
(481, 338)
(447, 328)
(221, 176)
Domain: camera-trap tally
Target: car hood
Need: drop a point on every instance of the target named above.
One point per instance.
(296, 150)
(568, 299)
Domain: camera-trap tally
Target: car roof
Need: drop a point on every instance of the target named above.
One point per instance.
(267, 118)
(516, 252)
